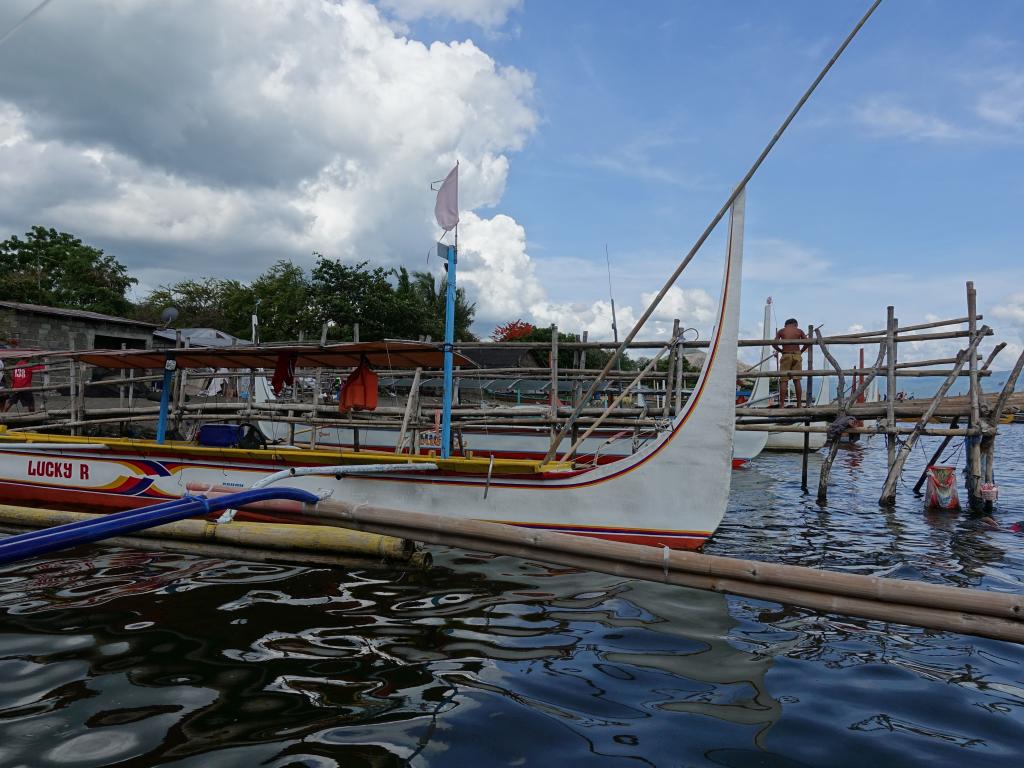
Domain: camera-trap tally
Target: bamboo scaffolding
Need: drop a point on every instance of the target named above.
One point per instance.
(888, 497)
(907, 328)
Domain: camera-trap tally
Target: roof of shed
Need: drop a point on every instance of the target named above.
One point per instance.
(76, 314)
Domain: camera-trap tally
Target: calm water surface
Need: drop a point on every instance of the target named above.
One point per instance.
(121, 658)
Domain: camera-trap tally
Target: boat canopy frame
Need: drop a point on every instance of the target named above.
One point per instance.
(387, 354)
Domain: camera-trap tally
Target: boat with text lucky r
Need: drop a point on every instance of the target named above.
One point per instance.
(671, 492)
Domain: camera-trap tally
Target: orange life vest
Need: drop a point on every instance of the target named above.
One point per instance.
(359, 393)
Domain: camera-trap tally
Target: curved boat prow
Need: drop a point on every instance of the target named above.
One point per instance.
(671, 492)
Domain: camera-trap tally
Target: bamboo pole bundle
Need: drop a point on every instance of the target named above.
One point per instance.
(419, 560)
(277, 536)
(890, 383)
(986, 614)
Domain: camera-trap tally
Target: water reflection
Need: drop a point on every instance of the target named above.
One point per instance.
(160, 658)
(118, 657)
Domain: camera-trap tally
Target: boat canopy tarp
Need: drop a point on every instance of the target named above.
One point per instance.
(387, 355)
(16, 353)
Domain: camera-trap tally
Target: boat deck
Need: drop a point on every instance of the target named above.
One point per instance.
(296, 456)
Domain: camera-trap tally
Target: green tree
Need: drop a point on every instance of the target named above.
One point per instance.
(385, 303)
(427, 298)
(565, 356)
(57, 269)
(286, 305)
(344, 294)
(205, 303)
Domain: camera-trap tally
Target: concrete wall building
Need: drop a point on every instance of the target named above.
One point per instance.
(56, 328)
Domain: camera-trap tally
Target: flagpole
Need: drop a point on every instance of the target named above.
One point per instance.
(446, 211)
(449, 341)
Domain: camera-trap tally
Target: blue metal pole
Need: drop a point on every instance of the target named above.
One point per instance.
(165, 399)
(449, 341)
(34, 543)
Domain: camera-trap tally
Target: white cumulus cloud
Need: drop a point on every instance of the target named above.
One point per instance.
(485, 13)
(200, 138)
(1011, 309)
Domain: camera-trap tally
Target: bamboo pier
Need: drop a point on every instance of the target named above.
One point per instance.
(639, 402)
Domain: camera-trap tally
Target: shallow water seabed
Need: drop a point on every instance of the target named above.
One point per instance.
(117, 657)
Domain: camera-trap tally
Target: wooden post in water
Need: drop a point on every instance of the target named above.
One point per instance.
(988, 441)
(974, 471)
(809, 400)
(826, 465)
(890, 385)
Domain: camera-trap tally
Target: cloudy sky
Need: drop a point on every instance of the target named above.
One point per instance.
(214, 137)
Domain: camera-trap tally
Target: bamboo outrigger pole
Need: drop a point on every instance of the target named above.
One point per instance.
(567, 427)
(973, 612)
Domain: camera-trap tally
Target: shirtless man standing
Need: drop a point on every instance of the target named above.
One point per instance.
(791, 360)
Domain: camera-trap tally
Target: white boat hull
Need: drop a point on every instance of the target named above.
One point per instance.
(672, 492)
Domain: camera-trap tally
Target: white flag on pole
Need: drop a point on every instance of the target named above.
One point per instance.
(446, 209)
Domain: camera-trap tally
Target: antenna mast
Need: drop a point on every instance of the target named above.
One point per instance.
(608, 261)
